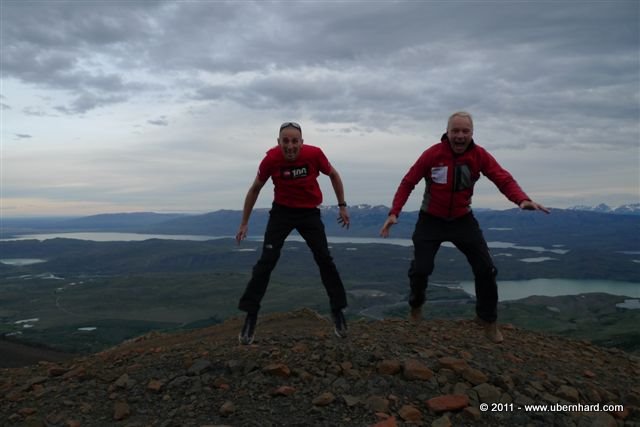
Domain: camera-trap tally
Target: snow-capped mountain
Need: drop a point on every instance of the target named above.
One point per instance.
(628, 209)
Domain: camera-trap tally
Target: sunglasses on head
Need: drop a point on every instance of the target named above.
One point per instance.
(292, 125)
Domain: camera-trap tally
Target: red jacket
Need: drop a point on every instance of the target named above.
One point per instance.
(450, 179)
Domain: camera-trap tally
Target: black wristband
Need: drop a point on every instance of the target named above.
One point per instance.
(342, 205)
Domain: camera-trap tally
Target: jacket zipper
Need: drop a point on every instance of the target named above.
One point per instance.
(453, 188)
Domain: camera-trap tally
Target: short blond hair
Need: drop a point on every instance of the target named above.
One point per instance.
(463, 114)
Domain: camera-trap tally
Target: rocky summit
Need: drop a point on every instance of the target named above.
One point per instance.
(390, 372)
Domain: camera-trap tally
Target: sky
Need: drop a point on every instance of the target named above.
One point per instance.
(169, 106)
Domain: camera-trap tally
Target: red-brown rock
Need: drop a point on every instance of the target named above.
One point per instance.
(284, 390)
(416, 370)
(389, 367)
(277, 369)
(121, 411)
(410, 413)
(446, 403)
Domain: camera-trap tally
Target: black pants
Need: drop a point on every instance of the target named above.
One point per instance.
(283, 220)
(466, 235)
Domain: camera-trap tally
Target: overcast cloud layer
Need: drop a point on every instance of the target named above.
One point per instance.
(169, 106)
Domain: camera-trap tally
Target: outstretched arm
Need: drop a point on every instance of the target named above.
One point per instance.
(508, 185)
(417, 172)
(336, 182)
(249, 203)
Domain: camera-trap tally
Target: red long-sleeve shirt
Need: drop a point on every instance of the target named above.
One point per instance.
(295, 183)
(450, 179)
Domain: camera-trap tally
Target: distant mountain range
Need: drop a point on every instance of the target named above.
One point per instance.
(576, 228)
(629, 209)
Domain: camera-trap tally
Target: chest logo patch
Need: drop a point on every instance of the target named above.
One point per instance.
(439, 174)
(295, 172)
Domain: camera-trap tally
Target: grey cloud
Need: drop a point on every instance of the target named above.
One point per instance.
(64, 24)
(235, 36)
(23, 136)
(364, 65)
(32, 64)
(5, 106)
(64, 45)
(35, 112)
(501, 61)
(276, 88)
(61, 70)
(88, 101)
(161, 121)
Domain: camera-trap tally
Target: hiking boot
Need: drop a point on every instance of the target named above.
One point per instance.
(417, 299)
(492, 332)
(340, 323)
(415, 315)
(248, 332)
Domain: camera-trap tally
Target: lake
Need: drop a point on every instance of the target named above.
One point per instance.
(508, 290)
(21, 261)
(111, 237)
(102, 236)
(517, 289)
(294, 237)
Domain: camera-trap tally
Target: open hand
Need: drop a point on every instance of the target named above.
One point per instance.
(343, 218)
(530, 205)
(391, 220)
(242, 233)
